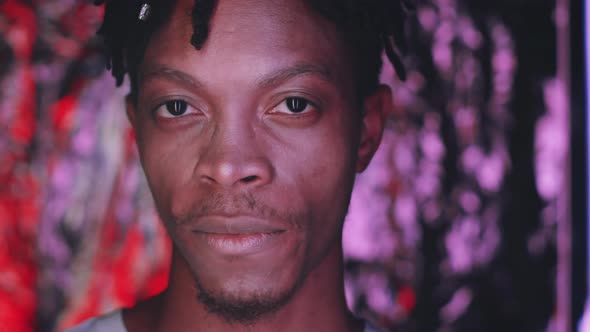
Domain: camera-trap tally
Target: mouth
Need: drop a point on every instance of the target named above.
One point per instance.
(240, 244)
(237, 235)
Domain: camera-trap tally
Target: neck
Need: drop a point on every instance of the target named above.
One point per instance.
(318, 305)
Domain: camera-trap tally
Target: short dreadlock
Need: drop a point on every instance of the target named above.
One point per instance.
(370, 26)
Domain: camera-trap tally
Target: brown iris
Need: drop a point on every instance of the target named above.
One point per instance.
(296, 105)
(176, 107)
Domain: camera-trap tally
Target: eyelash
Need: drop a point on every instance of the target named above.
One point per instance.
(295, 102)
(176, 103)
(183, 106)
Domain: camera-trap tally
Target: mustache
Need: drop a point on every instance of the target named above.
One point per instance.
(243, 203)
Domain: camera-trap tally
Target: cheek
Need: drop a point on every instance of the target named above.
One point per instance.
(168, 163)
(327, 193)
(324, 170)
(329, 185)
(320, 160)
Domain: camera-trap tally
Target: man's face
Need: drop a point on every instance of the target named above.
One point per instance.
(249, 145)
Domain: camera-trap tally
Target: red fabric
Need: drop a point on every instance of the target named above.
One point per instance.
(19, 189)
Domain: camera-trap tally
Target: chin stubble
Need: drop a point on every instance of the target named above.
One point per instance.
(244, 311)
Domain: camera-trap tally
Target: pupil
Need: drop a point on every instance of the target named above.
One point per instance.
(176, 107)
(296, 105)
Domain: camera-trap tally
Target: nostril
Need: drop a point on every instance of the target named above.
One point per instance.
(249, 179)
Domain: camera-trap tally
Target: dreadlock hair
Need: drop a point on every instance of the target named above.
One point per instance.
(369, 26)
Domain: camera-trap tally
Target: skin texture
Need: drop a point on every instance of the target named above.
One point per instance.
(237, 161)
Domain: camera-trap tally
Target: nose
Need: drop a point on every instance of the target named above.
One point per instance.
(233, 159)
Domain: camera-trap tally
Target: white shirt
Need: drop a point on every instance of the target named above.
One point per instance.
(113, 322)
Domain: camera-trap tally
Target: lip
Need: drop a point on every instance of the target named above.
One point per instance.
(240, 244)
(234, 225)
(237, 235)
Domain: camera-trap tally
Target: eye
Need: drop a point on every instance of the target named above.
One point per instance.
(174, 108)
(294, 105)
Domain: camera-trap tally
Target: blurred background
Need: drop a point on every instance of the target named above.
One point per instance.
(472, 216)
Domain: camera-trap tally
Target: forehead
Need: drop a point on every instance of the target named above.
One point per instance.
(249, 36)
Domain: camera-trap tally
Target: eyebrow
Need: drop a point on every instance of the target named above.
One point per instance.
(285, 74)
(158, 71)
